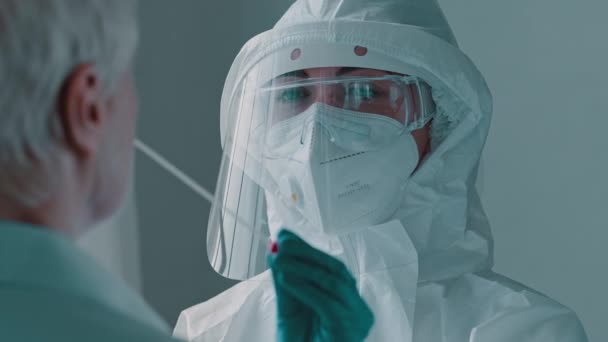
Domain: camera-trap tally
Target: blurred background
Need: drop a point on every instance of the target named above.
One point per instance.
(543, 179)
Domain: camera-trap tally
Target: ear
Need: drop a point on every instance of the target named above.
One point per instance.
(82, 110)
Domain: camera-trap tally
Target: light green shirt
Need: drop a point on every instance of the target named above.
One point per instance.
(51, 291)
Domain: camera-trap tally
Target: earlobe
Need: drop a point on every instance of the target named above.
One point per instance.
(80, 108)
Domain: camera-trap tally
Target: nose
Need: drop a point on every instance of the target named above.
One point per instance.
(330, 94)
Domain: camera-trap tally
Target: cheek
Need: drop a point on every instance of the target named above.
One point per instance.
(120, 136)
(126, 111)
(422, 138)
(133, 100)
(128, 102)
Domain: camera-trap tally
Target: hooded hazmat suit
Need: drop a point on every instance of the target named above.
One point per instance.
(427, 273)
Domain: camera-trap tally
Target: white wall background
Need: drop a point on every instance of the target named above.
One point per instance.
(545, 165)
(546, 160)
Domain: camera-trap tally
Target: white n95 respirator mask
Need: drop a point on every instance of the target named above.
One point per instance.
(336, 170)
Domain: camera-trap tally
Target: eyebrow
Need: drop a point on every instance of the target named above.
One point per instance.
(298, 73)
(341, 72)
(347, 70)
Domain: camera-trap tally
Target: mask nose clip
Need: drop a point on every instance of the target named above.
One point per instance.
(316, 123)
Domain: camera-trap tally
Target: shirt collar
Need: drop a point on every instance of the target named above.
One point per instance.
(40, 259)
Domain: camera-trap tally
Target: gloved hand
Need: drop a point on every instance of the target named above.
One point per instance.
(317, 297)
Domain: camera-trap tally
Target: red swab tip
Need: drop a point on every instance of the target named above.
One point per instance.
(274, 247)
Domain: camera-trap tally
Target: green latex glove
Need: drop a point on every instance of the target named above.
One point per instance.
(317, 298)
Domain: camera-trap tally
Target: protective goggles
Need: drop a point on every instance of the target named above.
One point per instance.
(405, 99)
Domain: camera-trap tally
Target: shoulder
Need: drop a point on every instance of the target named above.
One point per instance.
(54, 316)
(510, 311)
(214, 316)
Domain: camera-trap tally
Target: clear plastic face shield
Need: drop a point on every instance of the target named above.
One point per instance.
(318, 150)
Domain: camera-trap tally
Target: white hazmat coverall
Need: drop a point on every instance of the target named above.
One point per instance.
(427, 273)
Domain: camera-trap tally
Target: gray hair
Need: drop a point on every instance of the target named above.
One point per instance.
(41, 43)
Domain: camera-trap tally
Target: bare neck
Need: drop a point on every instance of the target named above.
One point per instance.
(60, 212)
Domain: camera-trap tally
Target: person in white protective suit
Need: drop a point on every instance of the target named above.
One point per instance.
(359, 125)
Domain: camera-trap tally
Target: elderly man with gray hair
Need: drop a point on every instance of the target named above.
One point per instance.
(68, 109)
(67, 119)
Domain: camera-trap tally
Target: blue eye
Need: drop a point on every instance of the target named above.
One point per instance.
(362, 91)
(291, 95)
